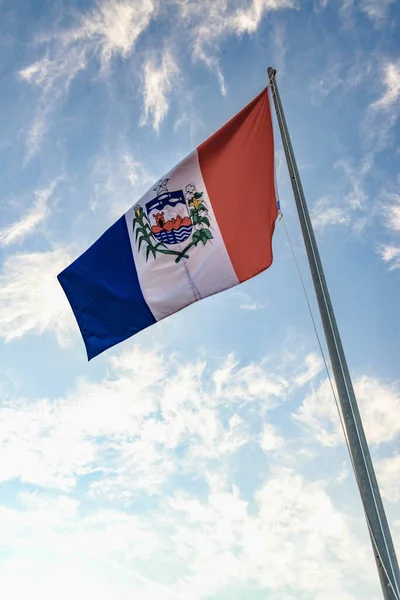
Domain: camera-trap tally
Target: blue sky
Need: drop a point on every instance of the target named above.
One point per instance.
(202, 458)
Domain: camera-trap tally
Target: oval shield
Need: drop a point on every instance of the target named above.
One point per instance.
(169, 217)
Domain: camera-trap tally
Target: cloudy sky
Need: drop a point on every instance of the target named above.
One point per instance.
(202, 458)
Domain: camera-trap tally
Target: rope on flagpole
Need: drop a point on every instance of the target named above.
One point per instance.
(303, 285)
(325, 361)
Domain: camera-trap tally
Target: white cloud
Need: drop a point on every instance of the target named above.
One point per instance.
(325, 213)
(34, 217)
(247, 20)
(382, 114)
(211, 21)
(113, 27)
(43, 519)
(328, 211)
(313, 366)
(390, 254)
(110, 29)
(52, 443)
(119, 180)
(66, 575)
(65, 553)
(45, 73)
(249, 383)
(356, 176)
(253, 306)
(320, 4)
(151, 419)
(53, 78)
(279, 47)
(376, 10)
(270, 440)
(227, 543)
(247, 302)
(346, 7)
(157, 85)
(132, 448)
(344, 75)
(391, 81)
(393, 213)
(263, 382)
(31, 299)
(388, 472)
(318, 412)
(377, 401)
(210, 543)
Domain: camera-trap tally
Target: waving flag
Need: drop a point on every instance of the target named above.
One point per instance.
(206, 226)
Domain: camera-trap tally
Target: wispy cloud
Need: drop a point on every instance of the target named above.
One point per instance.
(113, 27)
(329, 211)
(325, 213)
(313, 366)
(388, 471)
(382, 115)
(393, 213)
(279, 46)
(378, 403)
(183, 421)
(247, 19)
(60, 441)
(390, 254)
(247, 302)
(253, 306)
(356, 196)
(52, 78)
(110, 29)
(270, 439)
(31, 299)
(342, 74)
(376, 10)
(158, 81)
(119, 180)
(211, 543)
(250, 383)
(320, 4)
(229, 545)
(346, 8)
(17, 231)
(213, 20)
(391, 81)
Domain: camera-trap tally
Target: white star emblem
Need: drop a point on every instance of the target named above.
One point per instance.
(161, 186)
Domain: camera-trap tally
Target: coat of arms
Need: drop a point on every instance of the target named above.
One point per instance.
(172, 218)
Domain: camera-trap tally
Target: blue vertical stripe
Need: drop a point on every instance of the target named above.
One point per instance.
(103, 289)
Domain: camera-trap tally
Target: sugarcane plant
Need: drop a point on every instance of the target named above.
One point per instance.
(201, 222)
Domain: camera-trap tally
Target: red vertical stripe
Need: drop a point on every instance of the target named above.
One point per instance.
(237, 164)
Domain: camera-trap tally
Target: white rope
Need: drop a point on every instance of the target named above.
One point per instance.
(282, 218)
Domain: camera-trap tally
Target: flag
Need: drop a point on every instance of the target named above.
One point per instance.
(205, 226)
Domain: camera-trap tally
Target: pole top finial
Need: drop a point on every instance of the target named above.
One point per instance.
(271, 72)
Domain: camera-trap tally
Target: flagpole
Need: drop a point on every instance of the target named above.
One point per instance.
(383, 547)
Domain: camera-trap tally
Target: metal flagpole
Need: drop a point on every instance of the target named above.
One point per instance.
(384, 551)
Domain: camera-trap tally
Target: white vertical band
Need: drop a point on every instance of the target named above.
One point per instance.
(167, 285)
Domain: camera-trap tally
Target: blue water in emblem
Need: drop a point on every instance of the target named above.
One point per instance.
(175, 236)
